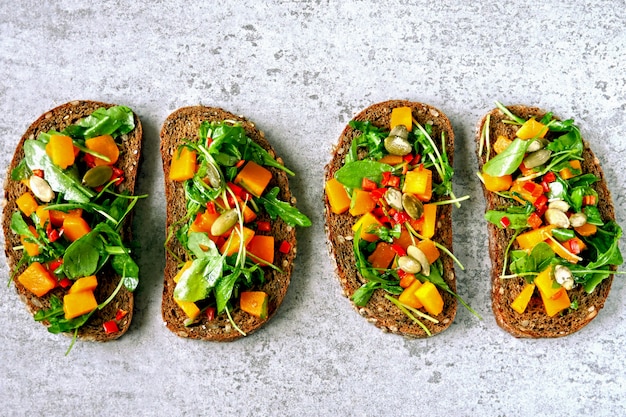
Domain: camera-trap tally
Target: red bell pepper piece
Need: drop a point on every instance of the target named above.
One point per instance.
(534, 220)
(53, 234)
(120, 314)
(52, 266)
(549, 177)
(210, 207)
(263, 226)
(368, 185)
(541, 202)
(90, 160)
(65, 282)
(573, 246)
(210, 313)
(399, 250)
(377, 194)
(38, 173)
(284, 247)
(110, 327)
(505, 222)
(400, 217)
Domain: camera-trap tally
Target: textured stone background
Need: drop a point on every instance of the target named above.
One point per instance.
(301, 70)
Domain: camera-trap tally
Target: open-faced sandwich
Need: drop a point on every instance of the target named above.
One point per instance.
(231, 241)
(388, 216)
(69, 196)
(553, 239)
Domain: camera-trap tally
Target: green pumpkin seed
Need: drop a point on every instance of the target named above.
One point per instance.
(413, 206)
(213, 174)
(97, 176)
(537, 158)
(224, 223)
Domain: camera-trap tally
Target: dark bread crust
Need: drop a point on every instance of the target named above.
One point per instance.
(184, 123)
(534, 323)
(130, 152)
(380, 311)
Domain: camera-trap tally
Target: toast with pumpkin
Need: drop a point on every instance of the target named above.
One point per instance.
(388, 203)
(231, 217)
(553, 239)
(67, 218)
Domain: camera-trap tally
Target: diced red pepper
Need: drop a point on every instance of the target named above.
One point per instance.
(549, 177)
(120, 314)
(573, 246)
(399, 250)
(378, 193)
(505, 222)
(390, 180)
(210, 207)
(110, 327)
(417, 159)
(368, 185)
(284, 247)
(117, 175)
(38, 173)
(263, 226)
(52, 266)
(541, 202)
(400, 217)
(589, 200)
(534, 220)
(210, 313)
(65, 282)
(90, 160)
(53, 234)
(546, 186)
(529, 186)
(240, 163)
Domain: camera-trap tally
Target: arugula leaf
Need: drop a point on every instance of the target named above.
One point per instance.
(114, 121)
(571, 141)
(224, 289)
(126, 268)
(277, 208)
(21, 171)
(351, 174)
(507, 161)
(518, 220)
(363, 294)
(536, 261)
(386, 234)
(19, 225)
(372, 138)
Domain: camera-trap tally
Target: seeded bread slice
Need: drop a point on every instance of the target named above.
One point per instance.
(380, 311)
(534, 323)
(184, 123)
(130, 152)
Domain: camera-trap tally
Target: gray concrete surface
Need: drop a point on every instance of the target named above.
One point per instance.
(301, 70)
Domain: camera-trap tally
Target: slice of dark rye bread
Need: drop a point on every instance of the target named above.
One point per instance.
(184, 123)
(534, 323)
(380, 311)
(130, 153)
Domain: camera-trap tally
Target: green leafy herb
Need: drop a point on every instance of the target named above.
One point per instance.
(114, 121)
(509, 160)
(351, 174)
(277, 208)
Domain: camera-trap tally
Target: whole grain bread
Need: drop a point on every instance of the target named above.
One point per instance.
(130, 153)
(380, 311)
(535, 323)
(183, 124)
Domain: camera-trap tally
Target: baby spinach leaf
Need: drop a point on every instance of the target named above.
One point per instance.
(351, 175)
(224, 289)
(593, 215)
(509, 160)
(199, 279)
(198, 241)
(19, 225)
(518, 220)
(126, 268)
(278, 208)
(82, 256)
(571, 141)
(536, 261)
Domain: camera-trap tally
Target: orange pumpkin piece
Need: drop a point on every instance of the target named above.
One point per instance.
(404, 240)
(567, 173)
(530, 239)
(532, 129)
(106, 146)
(254, 303)
(419, 182)
(521, 301)
(43, 215)
(586, 229)
(430, 250)
(382, 256)
(190, 308)
(31, 248)
(430, 220)
(37, 279)
(429, 296)
(338, 198)
(75, 227)
(79, 303)
(262, 247)
(361, 202)
(501, 143)
(183, 166)
(60, 149)
(365, 223)
(391, 160)
(233, 242)
(401, 116)
(408, 295)
(495, 184)
(84, 284)
(27, 204)
(254, 178)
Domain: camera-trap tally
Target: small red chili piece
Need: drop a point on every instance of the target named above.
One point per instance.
(38, 173)
(534, 220)
(90, 160)
(210, 207)
(368, 185)
(549, 177)
(210, 313)
(530, 186)
(53, 234)
(65, 282)
(110, 327)
(399, 250)
(284, 247)
(377, 194)
(401, 217)
(120, 314)
(541, 201)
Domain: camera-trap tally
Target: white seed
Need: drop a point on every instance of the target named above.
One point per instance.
(560, 205)
(409, 265)
(393, 197)
(223, 223)
(578, 219)
(417, 254)
(563, 276)
(41, 189)
(557, 218)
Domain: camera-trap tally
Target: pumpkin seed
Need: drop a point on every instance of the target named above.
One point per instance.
(409, 265)
(537, 158)
(396, 145)
(400, 131)
(536, 144)
(417, 254)
(393, 197)
(224, 222)
(563, 276)
(41, 189)
(557, 218)
(413, 206)
(97, 176)
(214, 176)
(578, 219)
